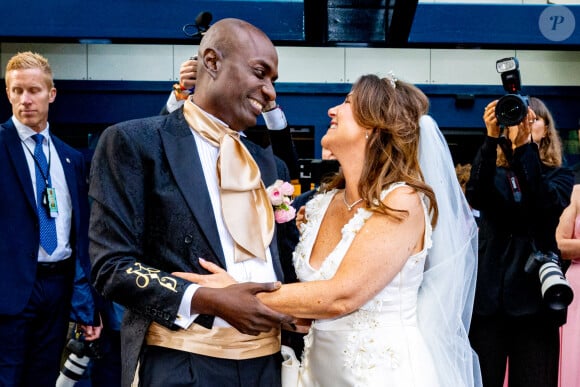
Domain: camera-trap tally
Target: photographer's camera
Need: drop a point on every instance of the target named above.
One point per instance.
(511, 109)
(75, 365)
(556, 290)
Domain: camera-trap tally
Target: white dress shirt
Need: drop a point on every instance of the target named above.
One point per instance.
(252, 270)
(58, 181)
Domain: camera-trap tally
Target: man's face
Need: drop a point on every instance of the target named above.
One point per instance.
(30, 95)
(245, 82)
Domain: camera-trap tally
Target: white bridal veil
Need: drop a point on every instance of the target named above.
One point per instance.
(446, 295)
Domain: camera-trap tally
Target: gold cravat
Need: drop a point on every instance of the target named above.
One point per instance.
(246, 208)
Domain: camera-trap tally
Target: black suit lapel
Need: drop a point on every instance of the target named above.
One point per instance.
(183, 158)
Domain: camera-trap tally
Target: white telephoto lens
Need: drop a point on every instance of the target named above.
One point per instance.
(72, 371)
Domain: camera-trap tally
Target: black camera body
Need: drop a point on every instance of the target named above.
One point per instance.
(512, 108)
(556, 290)
(84, 348)
(76, 363)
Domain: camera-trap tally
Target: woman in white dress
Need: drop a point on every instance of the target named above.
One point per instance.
(389, 306)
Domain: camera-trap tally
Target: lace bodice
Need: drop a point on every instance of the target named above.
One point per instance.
(412, 272)
(376, 336)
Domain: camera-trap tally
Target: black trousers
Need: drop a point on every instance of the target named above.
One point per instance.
(530, 342)
(32, 342)
(163, 367)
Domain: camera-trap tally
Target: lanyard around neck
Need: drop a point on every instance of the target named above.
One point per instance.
(44, 176)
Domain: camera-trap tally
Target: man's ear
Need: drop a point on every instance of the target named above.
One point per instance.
(52, 95)
(211, 62)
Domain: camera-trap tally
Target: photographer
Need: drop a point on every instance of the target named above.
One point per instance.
(519, 186)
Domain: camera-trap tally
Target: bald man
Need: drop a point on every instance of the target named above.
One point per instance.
(170, 191)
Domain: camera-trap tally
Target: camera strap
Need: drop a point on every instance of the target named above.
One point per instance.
(514, 185)
(505, 145)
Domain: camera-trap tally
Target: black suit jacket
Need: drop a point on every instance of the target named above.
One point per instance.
(151, 215)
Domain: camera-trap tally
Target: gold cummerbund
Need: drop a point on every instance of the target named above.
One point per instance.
(220, 342)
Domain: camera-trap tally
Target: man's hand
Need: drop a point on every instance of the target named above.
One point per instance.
(89, 332)
(239, 306)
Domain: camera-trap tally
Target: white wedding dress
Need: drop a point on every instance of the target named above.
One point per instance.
(380, 344)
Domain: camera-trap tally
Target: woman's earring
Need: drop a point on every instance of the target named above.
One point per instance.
(366, 135)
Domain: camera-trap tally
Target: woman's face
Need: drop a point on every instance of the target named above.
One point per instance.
(539, 129)
(344, 134)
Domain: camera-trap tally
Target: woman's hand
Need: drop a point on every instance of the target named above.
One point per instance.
(301, 217)
(218, 279)
(491, 124)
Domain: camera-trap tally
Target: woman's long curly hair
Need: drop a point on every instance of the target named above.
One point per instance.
(391, 109)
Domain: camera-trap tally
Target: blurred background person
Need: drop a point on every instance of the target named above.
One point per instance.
(519, 186)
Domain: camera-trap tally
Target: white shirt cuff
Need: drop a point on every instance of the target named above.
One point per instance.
(184, 317)
(173, 104)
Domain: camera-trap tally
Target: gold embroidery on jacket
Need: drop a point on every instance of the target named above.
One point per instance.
(145, 274)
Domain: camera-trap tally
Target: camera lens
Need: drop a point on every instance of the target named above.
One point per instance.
(72, 370)
(511, 109)
(556, 291)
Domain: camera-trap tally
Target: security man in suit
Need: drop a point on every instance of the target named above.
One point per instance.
(43, 239)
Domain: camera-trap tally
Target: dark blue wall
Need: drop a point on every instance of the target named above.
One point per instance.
(487, 25)
(138, 20)
(82, 107)
(482, 25)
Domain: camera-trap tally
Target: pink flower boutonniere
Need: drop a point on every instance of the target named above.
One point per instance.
(280, 194)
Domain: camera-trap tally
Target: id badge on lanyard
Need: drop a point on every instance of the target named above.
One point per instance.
(49, 201)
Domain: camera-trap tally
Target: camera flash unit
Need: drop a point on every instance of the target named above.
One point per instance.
(506, 64)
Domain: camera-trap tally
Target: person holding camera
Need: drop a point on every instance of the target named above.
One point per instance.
(518, 184)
